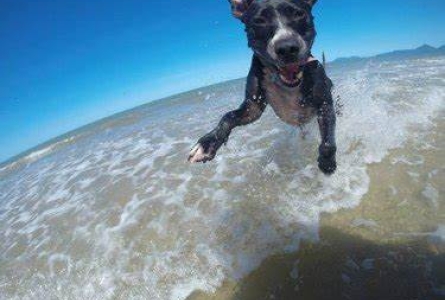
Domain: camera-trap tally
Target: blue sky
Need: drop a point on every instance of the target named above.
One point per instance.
(64, 64)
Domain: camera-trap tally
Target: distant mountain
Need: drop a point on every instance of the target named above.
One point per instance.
(422, 51)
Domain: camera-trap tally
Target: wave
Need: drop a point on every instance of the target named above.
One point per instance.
(122, 215)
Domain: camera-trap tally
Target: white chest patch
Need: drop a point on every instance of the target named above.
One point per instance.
(286, 102)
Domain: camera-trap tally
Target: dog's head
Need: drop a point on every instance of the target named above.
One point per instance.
(280, 32)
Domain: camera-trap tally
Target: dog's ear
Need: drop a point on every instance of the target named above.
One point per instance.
(310, 2)
(239, 7)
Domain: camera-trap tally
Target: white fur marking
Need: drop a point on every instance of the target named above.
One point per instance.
(281, 33)
(197, 154)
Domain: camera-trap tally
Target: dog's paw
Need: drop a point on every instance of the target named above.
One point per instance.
(198, 154)
(327, 165)
(205, 149)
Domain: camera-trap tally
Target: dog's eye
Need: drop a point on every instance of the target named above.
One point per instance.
(259, 21)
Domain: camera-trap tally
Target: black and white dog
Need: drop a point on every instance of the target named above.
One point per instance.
(283, 74)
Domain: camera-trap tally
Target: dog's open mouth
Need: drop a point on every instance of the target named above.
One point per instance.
(290, 74)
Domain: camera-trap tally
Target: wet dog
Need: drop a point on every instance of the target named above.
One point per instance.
(283, 74)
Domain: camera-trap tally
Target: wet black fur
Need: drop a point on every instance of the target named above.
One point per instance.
(315, 85)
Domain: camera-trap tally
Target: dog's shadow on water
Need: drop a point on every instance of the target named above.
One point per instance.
(345, 266)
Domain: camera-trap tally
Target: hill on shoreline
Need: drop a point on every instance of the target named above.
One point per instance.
(419, 52)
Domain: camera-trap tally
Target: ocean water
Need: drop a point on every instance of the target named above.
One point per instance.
(114, 211)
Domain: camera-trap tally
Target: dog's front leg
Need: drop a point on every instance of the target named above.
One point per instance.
(206, 148)
(207, 145)
(249, 111)
(327, 149)
(321, 96)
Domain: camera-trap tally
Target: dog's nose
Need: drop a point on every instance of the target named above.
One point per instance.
(287, 49)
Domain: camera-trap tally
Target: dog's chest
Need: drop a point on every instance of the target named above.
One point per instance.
(287, 102)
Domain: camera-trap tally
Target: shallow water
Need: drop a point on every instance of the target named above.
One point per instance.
(116, 212)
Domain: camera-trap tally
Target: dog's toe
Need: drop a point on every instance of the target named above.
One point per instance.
(197, 154)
